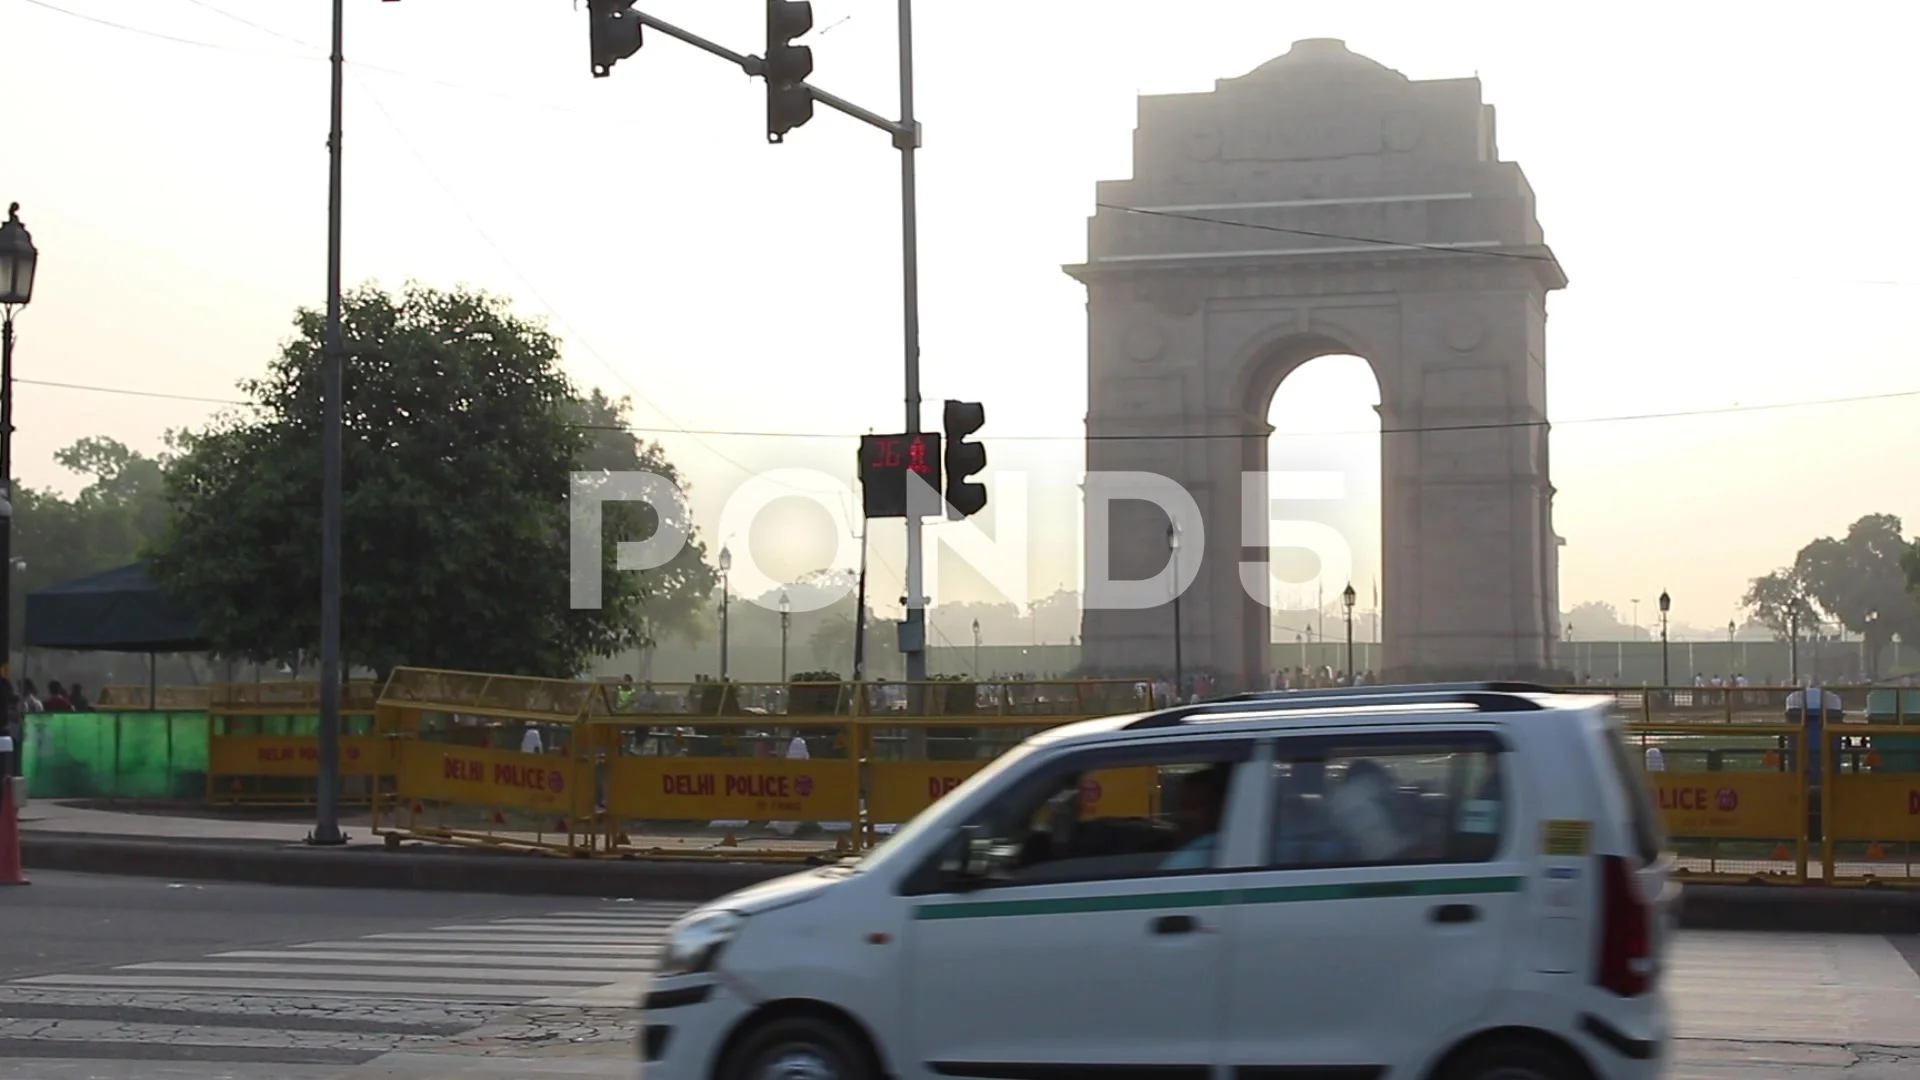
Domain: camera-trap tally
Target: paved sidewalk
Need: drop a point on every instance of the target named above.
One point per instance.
(42, 816)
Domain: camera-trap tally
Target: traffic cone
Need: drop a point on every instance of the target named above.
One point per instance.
(1875, 851)
(1771, 760)
(499, 818)
(11, 872)
(729, 840)
(1781, 854)
(1873, 760)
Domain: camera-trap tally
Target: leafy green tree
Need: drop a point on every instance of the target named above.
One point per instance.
(1860, 580)
(1779, 601)
(461, 437)
(120, 510)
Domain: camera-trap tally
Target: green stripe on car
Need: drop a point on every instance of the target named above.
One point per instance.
(1279, 894)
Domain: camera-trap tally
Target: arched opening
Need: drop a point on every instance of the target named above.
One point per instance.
(1324, 516)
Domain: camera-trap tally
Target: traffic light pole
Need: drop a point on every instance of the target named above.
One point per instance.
(906, 138)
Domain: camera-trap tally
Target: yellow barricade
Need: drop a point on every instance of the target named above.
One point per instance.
(733, 789)
(263, 746)
(1732, 798)
(1871, 794)
(461, 777)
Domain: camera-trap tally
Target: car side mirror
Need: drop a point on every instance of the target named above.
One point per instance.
(975, 856)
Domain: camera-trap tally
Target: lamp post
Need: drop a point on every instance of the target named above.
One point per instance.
(726, 566)
(1179, 659)
(786, 624)
(1347, 599)
(976, 648)
(1573, 654)
(1733, 663)
(18, 258)
(1666, 605)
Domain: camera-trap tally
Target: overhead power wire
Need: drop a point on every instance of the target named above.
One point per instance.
(718, 433)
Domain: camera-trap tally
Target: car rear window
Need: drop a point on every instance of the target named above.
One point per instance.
(1643, 817)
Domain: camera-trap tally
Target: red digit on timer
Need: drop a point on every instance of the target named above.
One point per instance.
(917, 456)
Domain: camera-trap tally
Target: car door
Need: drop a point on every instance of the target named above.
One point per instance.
(1102, 950)
(1377, 930)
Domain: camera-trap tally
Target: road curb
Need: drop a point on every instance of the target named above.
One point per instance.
(1780, 908)
(374, 867)
(1805, 909)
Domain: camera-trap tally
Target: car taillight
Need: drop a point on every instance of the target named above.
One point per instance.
(1626, 941)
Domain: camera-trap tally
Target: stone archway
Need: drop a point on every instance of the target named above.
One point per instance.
(1326, 204)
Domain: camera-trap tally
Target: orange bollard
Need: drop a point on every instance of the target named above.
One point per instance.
(11, 872)
(1781, 854)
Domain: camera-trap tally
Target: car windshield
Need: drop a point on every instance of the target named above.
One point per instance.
(904, 836)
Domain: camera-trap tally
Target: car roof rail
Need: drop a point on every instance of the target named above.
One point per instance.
(1478, 696)
(1492, 687)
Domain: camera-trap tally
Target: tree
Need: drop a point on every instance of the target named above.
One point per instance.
(1779, 601)
(1597, 620)
(1860, 580)
(461, 438)
(120, 510)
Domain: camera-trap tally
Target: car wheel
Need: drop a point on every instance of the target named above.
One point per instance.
(797, 1048)
(1515, 1060)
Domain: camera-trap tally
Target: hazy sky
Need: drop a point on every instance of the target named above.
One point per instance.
(1728, 187)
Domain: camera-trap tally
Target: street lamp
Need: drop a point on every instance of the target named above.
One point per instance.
(18, 258)
(976, 648)
(1732, 662)
(786, 623)
(1347, 599)
(726, 566)
(1179, 659)
(1666, 605)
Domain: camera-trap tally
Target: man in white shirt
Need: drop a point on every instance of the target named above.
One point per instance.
(531, 743)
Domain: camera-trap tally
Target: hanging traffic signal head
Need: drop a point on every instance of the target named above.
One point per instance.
(613, 33)
(787, 66)
(963, 459)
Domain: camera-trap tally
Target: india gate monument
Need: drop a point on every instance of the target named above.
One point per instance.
(1324, 204)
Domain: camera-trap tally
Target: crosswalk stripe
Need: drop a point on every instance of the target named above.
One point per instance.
(481, 992)
(416, 971)
(595, 962)
(482, 939)
(549, 929)
(490, 948)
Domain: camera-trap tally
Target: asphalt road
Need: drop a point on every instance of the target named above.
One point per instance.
(103, 978)
(66, 922)
(111, 979)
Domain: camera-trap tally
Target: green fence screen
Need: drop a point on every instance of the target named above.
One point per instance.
(117, 755)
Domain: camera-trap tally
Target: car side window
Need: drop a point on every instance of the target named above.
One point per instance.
(1096, 817)
(1383, 803)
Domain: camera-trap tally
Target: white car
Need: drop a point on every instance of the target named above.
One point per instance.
(1458, 882)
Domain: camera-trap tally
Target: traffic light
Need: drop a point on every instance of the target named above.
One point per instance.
(965, 498)
(885, 462)
(789, 102)
(613, 33)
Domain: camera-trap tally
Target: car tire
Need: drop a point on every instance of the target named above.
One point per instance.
(1515, 1059)
(798, 1048)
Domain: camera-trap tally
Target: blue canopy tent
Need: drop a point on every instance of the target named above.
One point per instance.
(119, 610)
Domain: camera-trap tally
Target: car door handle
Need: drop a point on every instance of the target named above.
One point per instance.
(1175, 924)
(1455, 913)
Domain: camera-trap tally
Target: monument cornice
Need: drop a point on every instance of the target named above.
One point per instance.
(1310, 265)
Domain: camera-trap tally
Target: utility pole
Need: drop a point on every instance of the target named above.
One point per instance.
(907, 139)
(326, 826)
(612, 40)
